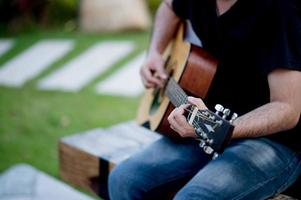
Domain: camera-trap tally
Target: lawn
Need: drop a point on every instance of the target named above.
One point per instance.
(32, 121)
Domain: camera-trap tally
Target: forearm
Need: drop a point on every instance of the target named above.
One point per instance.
(265, 120)
(165, 25)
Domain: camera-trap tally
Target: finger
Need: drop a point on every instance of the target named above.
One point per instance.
(181, 119)
(175, 126)
(147, 84)
(178, 111)
(160, 72)
(149, 79)
(179, 124)
(181, 109)
(171, 118)
(158, 67)
(171, 115)
(198, 102)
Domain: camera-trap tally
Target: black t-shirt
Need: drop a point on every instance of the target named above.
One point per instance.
(250, 40)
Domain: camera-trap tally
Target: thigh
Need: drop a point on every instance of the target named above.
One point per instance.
(248, 169)
(156, 167)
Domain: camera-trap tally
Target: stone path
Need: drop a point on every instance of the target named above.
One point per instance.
(76, 73)
(125, 82)
(34, 60)
(24, 182)
(84, 68)
(5, 45)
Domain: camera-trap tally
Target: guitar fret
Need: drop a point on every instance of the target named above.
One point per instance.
(175, 93)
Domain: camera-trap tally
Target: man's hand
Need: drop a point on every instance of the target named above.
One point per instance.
(178, 121)
(152, 71)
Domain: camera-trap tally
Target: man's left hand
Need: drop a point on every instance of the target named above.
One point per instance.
(178, 121)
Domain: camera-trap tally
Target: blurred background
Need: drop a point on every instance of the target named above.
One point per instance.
(67, 66)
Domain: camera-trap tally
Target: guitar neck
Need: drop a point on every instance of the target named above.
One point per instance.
(175, 93)
(214, 131)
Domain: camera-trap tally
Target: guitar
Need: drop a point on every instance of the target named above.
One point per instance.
(191, 71)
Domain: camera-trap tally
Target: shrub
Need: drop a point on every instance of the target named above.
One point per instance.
(153, 5)
(22, 15)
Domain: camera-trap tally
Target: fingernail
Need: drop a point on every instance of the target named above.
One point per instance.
(164, 76)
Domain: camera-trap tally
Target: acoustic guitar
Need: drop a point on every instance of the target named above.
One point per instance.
(191, 71)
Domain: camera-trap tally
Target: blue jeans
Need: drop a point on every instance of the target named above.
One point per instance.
(248, 169)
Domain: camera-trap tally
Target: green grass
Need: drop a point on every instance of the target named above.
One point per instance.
(32, 121)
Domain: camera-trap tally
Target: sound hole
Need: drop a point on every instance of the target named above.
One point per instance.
(156, 102)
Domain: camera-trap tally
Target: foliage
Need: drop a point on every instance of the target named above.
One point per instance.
(61, 11)
(153, 5)
(24, 15)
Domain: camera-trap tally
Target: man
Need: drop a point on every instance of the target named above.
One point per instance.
(258, 45)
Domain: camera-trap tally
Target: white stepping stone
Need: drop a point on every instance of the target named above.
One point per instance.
(23, 182)
(30, 63)
(5, 45)
(114, 144)
(83, 69)
(125, 82)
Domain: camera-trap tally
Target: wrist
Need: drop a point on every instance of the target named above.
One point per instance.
(155, 50)
(154, 55)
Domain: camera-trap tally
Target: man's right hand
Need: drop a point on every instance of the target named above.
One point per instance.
(152, 71)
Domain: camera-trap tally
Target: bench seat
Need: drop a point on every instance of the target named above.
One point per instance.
(87, 158)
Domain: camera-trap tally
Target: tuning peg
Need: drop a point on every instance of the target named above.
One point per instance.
(208, 149)
(201, 134)
(209, 141)
(215, 156)
(226, 113)
(199, 131)
(206, 114)
(202, 144)
(219, 108)
(234, 116)
(204, 136)
(212, 117)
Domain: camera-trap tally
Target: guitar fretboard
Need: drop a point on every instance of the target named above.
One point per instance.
(175, 93)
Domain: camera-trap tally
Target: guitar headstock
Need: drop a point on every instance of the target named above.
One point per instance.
(214, 130)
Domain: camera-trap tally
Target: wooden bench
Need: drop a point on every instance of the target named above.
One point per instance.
(87, 158)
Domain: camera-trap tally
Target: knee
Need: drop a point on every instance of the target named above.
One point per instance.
(209, 185)
(123, 182)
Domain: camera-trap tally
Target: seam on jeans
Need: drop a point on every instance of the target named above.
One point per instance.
(252, 189)
(285, 184)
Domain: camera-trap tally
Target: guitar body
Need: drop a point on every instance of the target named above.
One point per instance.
(192, 68)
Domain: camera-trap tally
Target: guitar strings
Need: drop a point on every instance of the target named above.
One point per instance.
(178, 97)
(200, 115)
